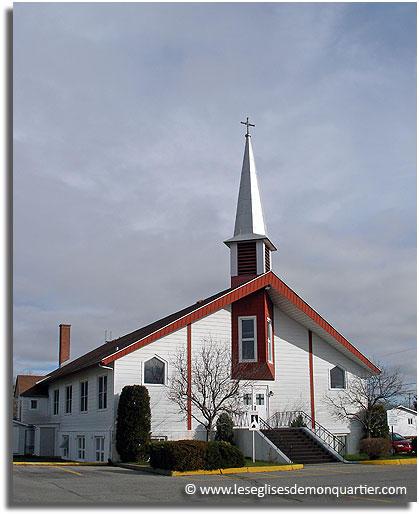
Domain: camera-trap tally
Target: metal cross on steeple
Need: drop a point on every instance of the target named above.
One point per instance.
(247, 125)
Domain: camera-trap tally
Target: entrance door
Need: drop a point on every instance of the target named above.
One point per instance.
(260, 401)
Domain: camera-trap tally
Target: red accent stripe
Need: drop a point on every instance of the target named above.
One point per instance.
(189, 357)
(259, 282)
(310, 365)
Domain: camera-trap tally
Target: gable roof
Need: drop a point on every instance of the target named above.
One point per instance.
(99, 354)
(282, 296)
(25, 382)
(407, 409)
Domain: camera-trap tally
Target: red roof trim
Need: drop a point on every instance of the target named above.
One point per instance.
(250, 287)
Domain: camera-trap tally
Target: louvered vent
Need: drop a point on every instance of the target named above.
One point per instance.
(267, 259)
(246, 258)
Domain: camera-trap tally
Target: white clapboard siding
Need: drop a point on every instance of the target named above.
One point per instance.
(33, 416)
(166, 420)
(325, 357)
(93, 418)
(291, 387)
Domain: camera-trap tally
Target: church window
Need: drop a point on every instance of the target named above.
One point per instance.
(337, 378)
(247, 339)
(154, 371)
(270, 338)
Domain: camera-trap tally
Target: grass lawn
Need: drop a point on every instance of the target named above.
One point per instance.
(363, 456)
(34, 458)
(139, 463)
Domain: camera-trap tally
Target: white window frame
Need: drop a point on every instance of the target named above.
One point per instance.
(270, 340)
(81, 449)
(68, 401)
(56, 402)
(255, 345)
(104, 393)
(165, 371)
(101, 449)
(86, 396)
(30, 404)
(345, 379)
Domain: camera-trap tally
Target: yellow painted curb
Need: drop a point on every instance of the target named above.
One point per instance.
(60, 463)
(245, 469)
(392, 462)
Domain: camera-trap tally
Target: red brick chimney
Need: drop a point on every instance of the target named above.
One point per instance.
(64, 354)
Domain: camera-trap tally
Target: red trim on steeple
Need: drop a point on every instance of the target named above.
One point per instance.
(189, 370)
(236, 294)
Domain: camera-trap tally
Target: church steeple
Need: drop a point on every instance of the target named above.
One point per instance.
(250, 246)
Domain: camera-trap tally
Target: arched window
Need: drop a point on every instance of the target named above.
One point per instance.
(154, 371)
(337, 378)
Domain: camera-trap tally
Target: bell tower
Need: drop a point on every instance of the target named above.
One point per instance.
(250, 247)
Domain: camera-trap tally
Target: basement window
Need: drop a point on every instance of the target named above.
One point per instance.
(154, 371)
(337, 378)
(247, 339)
(65, 445)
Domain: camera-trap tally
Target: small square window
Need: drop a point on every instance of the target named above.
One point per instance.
(260, 399)
(247, 399)
(33, 404)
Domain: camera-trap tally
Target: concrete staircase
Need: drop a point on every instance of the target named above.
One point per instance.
(298, 446)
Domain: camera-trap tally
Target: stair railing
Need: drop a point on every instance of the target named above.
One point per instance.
(300, 419)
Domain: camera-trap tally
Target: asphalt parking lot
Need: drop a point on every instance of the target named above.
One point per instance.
(48, 485)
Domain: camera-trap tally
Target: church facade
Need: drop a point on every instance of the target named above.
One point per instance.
(292, 357)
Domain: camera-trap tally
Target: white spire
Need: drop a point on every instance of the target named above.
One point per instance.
(250, 220)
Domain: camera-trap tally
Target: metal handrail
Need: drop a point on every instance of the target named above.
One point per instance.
(283, 445)
(299, 419)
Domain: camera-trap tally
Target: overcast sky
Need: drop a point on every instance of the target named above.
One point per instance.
(128, 150)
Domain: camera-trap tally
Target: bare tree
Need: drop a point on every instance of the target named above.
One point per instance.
(211, 390)
(359, 400)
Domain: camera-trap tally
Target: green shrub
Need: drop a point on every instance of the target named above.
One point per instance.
(224, 428)
(133, 429)
(378, 422)
(375, 448)
(221, 454)
(189, 455)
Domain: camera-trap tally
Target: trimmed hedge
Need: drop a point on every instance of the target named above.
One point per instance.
(375, 448)
(221, 454)
(190, 455)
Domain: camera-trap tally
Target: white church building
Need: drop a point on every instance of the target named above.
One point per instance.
(292, 355)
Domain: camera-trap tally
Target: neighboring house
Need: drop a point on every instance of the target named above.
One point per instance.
(293, 356)
(22, 384)
(406, 421)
